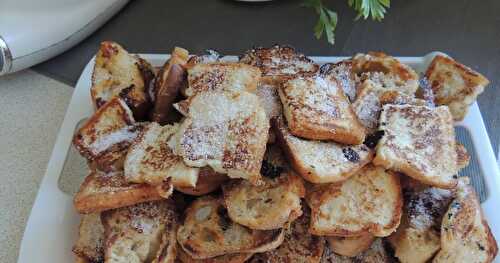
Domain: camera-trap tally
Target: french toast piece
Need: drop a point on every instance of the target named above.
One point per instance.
(454, 85)
(103, 191)
(368, 202)
(370, 99)
(225, 130)
(386, 71)
(210, 56)
(465, 234)
(267, 206)
(417, 238)
(183, 257)
(120, 74)
(320, 161)
(299, 245)
(270, 101)
(279, 63)
(420, 142)
(350, 246)
(222, 76)
(170, 80)
(105, 137)
(377, 253)
(316, 108)
(208, 181)
(151, 160)
(342, 72)
(89, 245)
(208, 232)
(141, 233)
(463, 157)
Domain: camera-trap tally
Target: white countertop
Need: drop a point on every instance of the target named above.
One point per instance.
(32, 109)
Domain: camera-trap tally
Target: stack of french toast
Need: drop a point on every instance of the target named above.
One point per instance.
(275, 158)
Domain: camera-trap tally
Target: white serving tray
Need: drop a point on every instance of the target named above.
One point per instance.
(52, 226)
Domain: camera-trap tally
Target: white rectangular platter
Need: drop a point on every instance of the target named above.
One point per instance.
(52, 226)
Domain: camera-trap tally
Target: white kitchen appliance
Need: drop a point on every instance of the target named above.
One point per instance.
(32, 31)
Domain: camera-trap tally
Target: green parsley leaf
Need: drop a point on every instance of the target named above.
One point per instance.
(327, 20)
(374, 8)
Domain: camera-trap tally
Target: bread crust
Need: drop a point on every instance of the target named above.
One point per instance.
(313, 160)
(350, 246)
(228, 258)
(90, 243)
(370, 202)
(103, 191)
(377, 253)
(208, 181)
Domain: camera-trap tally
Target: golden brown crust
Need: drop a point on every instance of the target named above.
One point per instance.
(343, 73)
(317, 108)
(350, 246)
(320, 162)
(228, 258)
(454, 84)
(208, 181)
(208, 232)
(369, 202)
(463, 157)
(377, 253)
(103, 191)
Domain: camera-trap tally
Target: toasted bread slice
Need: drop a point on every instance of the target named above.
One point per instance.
(210, 56)
(270, 100)
(103, 191)
(151, 160)
(226, 131)
(208, 232)
(228, 258)
(120, 74)
(316, 108)
(279, 63)
(90, 242)
(417, 238)
(169, 82)
(222, 76)
(208, 181)
(299, 245)
(141, 233)
(267, 206)
(465, 234)
(368, 202)
(342, 72)
(350, 246)
(386, 71)
(319, 161)
(454, 85)
(106, 136)
(420, 142)
(377, 253)
(463, 157)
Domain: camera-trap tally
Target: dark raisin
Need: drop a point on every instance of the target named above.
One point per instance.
(224, 221)
(372, 139)
(480, 246)
(455, 176)
(269, 170)
(351, 155)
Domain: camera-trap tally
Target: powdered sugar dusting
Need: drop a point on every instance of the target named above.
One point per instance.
(125, 134)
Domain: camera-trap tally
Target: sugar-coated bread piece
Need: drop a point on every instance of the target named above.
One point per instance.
(317, 108)
(208, 232)
(222, 76)
(454, 85)
(350, 246)
(141, 233)
(377, 253)
(208, 181)
(299, 245)
(169, 82)
(386, 71)
(105, 137)
(419, 141)
(151, 160)
(267, 206)
(368, 202)
(270, 101)
(465, 234)
(343, 73)
(183, 257)
(321, 161)
(463, 157)
(209, 56)
(103, 191)
(279, 63)
(120, 74)
(90, 243)
(417, 238)
(227, 131)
